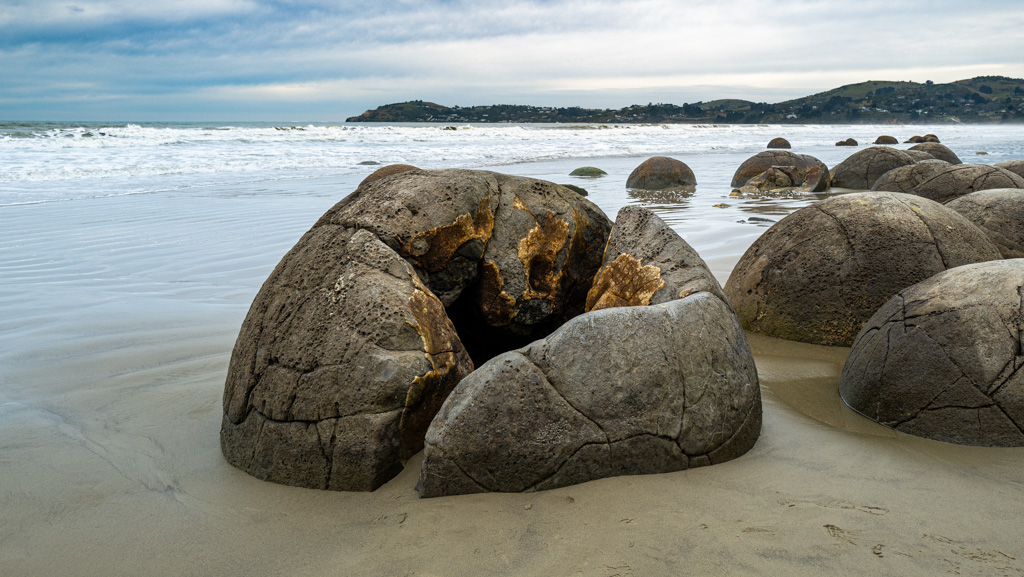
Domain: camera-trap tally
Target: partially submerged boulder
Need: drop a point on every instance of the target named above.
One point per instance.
(660, 172)
(584, 403)
(999, 213)
(961, 179)
(367, 324)
(791, 170)
(818, 274)
(861, 169)
(847, 142)
(588, 172)
(940, 151)
(778, 142)
(905, 178)
(886, 139)
(942, 359)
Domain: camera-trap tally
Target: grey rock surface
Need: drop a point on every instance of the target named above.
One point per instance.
(937, 150)
(1014, 166)
(861, 169)
(905, 178)
(961, 179)
(942, 359)
(617, 391)
(817, 275)
(999, 212)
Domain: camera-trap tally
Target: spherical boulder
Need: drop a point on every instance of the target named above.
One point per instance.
(919, 155)
(660, 172)
(583, 403)
(905, 178)
(365, 326)
(779, 142)
(958, 180)
(999, 213)
(847, 142)
(818, 274)
(930, 138)
(387, 171)
(588, 171)
(886, 139)
(942, 359)
(940, 151)
(801, 170)
(861, 169)
(914, 139)
(1014, 166)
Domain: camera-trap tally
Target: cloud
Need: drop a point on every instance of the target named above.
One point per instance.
(603, 53)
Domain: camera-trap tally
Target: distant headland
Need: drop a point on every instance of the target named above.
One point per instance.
(984, 99)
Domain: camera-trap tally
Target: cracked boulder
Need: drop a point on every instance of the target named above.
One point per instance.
(939, 151)
(357, 337)
(998, 212)
(660, 172)
(905, 178)
(1014, 166)
(942, 359)
(646, 262)
(802, 169)
(861, 169)
(657, 378)
(961, 179)
(818, 274)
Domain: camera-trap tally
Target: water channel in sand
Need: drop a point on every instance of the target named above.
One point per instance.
(117, 318)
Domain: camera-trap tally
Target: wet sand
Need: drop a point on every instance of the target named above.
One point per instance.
(117, 318)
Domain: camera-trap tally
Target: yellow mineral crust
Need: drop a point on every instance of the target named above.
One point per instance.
(449, 364)
(626, 282)
(433, 249)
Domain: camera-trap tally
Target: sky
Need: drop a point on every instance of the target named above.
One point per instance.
(320, 60)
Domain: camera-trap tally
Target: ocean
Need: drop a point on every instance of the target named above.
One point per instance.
(129, 255)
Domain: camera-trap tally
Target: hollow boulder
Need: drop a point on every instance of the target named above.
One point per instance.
(659, 172)
(818, 274)
(861, 169)
(999, 213)
(353, 342)
(583, 404)
(942, 358)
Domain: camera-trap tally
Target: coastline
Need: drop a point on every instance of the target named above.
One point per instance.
(119, 318)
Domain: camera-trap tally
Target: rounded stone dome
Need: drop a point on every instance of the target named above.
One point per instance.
(817, 275)
(660, 172)
(942, 358)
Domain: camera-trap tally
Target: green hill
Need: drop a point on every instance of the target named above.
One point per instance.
(984, 99)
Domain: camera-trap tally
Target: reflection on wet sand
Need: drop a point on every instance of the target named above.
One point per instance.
(806, 378)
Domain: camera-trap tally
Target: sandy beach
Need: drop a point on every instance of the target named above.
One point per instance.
(117, 318)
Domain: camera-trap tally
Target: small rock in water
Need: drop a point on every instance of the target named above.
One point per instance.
(368, 163)
(981, 153)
